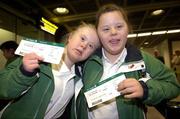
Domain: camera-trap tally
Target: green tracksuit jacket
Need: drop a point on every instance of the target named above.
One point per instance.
(30, 94)
(162, 85)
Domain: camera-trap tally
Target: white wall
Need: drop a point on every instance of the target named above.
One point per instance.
(163, 50)
(6, 35)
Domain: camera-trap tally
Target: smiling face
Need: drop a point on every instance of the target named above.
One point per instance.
(112, 31)
(82, 43)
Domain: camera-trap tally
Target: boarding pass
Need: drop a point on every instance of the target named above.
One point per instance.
(50, 51)
(104, 91)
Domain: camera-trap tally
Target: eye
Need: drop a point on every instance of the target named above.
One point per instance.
(91, 46)
(82, 39)
(105, 29)
(119, 26)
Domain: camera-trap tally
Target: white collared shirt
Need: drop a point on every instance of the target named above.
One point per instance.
(108, 109)
(63, 92)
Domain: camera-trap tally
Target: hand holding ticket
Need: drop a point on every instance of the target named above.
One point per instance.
(31, 62)
(49, 51)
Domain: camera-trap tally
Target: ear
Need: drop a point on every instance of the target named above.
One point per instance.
(69, 36)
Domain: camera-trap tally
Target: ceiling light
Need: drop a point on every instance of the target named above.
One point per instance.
(146, 43)
(153, 33)
(132, 35)
(157, 12)
(158, 32)
(173, 31)
(61, 10)
(144, 34)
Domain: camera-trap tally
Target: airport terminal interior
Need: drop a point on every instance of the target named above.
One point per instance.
(155, 27)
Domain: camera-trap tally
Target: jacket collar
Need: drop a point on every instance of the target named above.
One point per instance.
(133, 54)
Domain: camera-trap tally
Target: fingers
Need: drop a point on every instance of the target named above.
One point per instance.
(126, 83)
(132, 95)
(127, 90)
(130, 92)
(130, 88)
(31, 61)
(32, 56)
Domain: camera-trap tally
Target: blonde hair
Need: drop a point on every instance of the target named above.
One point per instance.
(82, 25)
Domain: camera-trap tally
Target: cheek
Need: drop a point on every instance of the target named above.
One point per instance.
(103, 38)
(73, 44)
(125, 33)
(5, 54)
(87, 53)
(123, 36)
(101, 34)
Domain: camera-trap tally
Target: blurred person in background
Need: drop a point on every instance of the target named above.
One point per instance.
(158, 56)
(176, 63)
(8, 48)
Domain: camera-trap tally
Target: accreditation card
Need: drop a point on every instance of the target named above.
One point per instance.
(50, 51)
(104, 90)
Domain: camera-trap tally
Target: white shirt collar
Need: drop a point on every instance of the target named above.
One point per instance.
(119, 60)
(64, 69)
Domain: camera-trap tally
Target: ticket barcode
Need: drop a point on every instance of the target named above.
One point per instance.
(96, 102)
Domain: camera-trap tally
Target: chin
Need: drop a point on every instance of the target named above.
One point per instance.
(116, 52)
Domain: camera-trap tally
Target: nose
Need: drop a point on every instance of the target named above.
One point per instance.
(84, 44)
(113, 31)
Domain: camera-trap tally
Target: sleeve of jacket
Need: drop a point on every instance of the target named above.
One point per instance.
(163, 83)
(12, 82)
